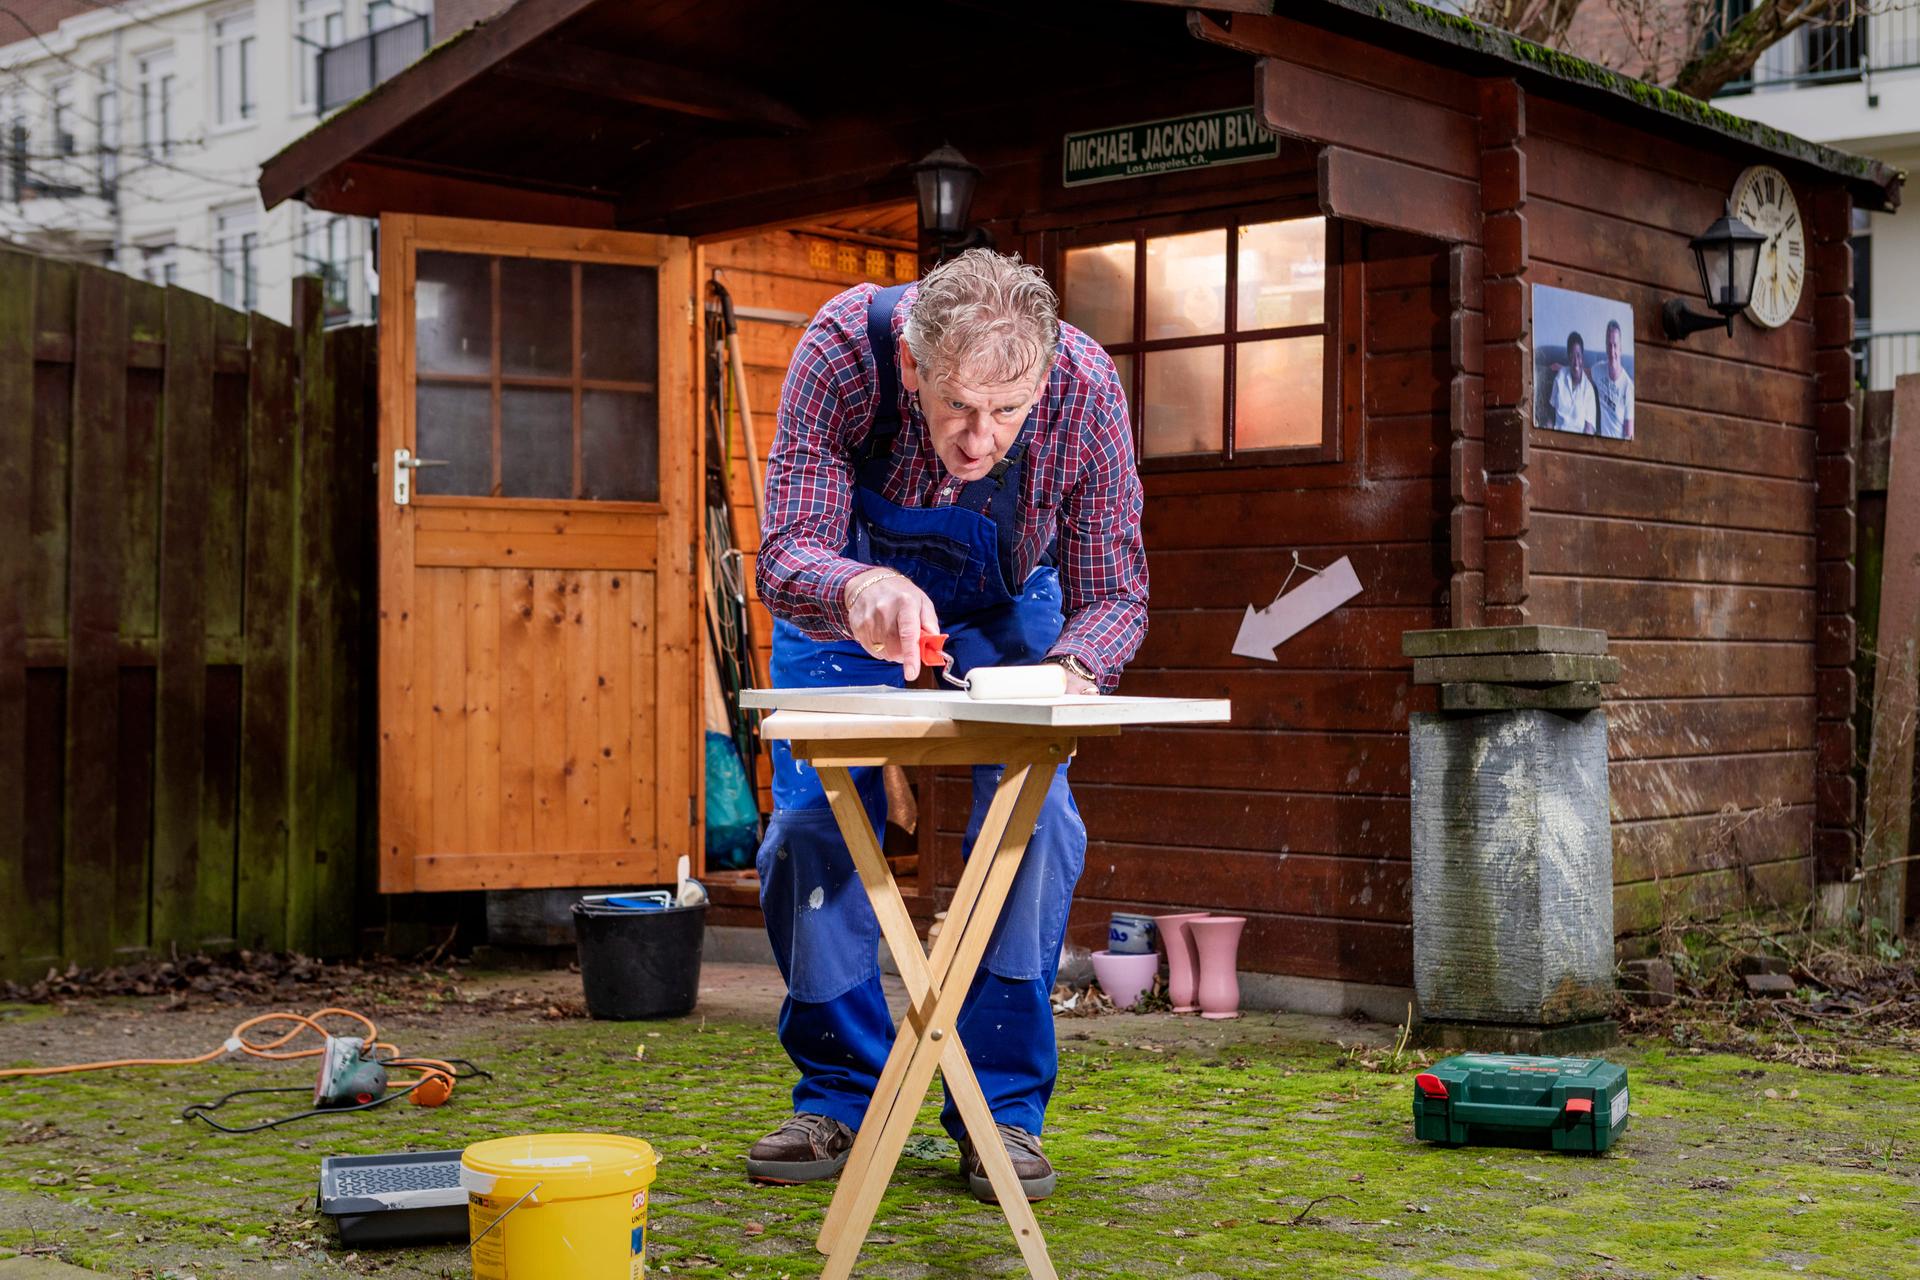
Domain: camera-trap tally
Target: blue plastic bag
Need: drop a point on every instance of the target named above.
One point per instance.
(733, 816)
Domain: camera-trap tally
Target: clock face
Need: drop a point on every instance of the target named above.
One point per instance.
(1763, 200)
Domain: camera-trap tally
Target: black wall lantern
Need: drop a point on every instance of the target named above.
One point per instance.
(1727, 253)
(946, 181)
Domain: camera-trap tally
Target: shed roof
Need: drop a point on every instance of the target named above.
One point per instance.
(658, 114)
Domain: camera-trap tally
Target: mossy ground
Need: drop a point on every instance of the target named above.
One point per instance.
(1183, 1150)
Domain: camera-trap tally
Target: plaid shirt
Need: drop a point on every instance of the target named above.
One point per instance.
(1080, 484)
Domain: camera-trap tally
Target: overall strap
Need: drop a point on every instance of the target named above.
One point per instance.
(886, 365)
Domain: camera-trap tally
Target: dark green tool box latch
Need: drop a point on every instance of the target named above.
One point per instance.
(1568, 1104)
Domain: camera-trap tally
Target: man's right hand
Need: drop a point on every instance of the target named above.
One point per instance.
(888, 614)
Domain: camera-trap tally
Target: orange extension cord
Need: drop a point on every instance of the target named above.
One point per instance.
(433, 1086)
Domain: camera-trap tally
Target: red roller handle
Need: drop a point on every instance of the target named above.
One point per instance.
(933, 650)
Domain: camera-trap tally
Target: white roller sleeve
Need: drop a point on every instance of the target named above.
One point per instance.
(989, 684)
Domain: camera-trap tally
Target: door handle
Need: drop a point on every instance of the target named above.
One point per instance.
(404, 464)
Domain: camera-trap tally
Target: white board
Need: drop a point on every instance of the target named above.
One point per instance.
(1069, 712)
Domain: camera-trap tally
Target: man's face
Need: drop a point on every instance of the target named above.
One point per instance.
(1577, 361)
(972, 424)
(1613, 349)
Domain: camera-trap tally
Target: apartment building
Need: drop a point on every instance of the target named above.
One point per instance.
(132, 133)
(1855, 84)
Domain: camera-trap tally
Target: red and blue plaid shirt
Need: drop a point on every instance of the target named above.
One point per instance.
(1080, 484)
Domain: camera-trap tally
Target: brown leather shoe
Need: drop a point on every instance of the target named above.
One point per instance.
(806, 1148)
(1036, 1174)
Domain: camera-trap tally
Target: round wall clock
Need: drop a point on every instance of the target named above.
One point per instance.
(1763, 200)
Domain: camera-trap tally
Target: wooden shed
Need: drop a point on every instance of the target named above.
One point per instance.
(1312, 233)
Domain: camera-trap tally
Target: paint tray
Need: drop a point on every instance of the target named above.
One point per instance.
(1512, 1100)
(411, 1197)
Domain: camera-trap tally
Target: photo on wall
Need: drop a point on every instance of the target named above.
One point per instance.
(1582, 363)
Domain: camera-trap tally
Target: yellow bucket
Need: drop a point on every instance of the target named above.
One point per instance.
(558, 1206)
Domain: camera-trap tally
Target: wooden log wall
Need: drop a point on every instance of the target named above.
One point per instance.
(1694, 545)
(185, 574)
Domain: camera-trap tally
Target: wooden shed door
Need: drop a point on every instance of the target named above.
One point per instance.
(538, 508)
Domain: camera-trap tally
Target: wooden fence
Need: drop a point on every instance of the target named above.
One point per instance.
(186, 516)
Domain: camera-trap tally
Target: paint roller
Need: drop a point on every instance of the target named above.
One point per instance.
(995, 684)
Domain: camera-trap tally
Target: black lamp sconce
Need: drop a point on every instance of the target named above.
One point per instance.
(946, 182)
(1728, 254)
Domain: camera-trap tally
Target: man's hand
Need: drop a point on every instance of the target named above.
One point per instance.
(888, 614)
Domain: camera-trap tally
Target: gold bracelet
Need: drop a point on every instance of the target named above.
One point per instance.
(869, 582)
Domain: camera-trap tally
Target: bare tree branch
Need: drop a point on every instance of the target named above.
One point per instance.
(1541, 21)
(1740, 46)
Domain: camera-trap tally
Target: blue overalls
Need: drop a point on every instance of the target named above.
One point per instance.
(834, 1023)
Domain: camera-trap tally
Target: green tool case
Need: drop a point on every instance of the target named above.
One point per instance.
(1568, 1104)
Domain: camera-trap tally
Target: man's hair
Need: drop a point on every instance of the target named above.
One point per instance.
(985, 317)
(1575, 340)
(1613, 327)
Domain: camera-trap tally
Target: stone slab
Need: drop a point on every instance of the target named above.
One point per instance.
(1517, 668)
(1580, 695)
(1570, 1039)
(1469, 641)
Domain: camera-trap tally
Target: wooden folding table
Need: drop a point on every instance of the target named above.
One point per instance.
(838, 729)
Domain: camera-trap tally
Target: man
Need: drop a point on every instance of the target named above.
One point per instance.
(950, 457)
(1614, 388)
(1572, 401)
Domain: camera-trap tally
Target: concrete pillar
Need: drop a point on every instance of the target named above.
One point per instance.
(1512, 844)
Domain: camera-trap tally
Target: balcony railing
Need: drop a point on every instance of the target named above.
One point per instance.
(1885, 38)
(351, 69)
(1879, 358)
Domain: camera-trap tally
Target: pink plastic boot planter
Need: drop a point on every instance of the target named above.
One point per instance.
(1183, 963)
(1217, 940)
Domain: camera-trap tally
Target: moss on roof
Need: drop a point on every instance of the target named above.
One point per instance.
(1869, 177)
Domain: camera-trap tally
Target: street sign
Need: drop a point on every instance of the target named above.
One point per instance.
(1198, 141)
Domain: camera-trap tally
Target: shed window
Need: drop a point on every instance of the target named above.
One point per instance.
(1220, 333)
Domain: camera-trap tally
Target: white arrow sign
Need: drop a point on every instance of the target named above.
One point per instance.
(1264, 630)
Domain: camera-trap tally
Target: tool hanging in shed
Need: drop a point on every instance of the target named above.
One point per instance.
(733, 817)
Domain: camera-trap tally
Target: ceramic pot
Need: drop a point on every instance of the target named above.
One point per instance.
(1123, 977)
(1183, 964)
(1130, 934)
(1216, 940)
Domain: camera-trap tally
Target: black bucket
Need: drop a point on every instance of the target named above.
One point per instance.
(639, 964)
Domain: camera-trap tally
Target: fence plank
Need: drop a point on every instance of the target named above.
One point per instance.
(52, 448)
(95, 547)
(181, 731)
(348, 774)
(313, 573)
(266, 777)
(226, 631)
(16, 450)
(140, 463)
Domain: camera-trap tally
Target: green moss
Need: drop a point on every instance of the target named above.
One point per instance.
(1176, 1159)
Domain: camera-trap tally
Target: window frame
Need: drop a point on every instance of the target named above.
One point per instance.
(1334, 328)
(106, 127)
(311, 35)
(236, 30)
(65, 143)
(236, 229)
(154, 82)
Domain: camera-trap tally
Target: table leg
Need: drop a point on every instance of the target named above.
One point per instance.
(920, 974)
(932, 1038)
